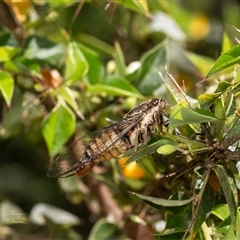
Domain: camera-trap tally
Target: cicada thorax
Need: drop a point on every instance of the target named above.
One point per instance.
(153, 120)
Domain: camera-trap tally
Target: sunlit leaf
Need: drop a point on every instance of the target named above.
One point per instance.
(163, 22)
(7, 52)
(41, 49)
(147, 150)
(221, 211)
(203, 63)
(70, 97)
(42, 211)
(58, 126)
(208, 98)
(120, 62)
(181, 116)
(6, 86)
(76, 64)
(226, 43)
(226, 60)
(167, 149)
(140, 6)
(115, 86)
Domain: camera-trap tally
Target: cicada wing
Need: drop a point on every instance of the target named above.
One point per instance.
(66, 163)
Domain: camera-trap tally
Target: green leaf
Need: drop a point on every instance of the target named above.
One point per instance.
(226, 43)
(223, 86)
(95, 44)
(181, 116)
(205, 207)
(7, 52)
(204, 64)
(167, 149)
(39, 48)
(140, 6)
(221, 211)
(229, 188)
(153, 62)
(76, 64)
(162, 202)
(58, 126)
(208, 98)
(11, 123)
(169, 236)
(103, 230)
(115, 86)
(147, 150)
(120, 62)
(230, 233)
(42, 211)
(6, 86)
(96, 70)
(227, 59)
(70, 97)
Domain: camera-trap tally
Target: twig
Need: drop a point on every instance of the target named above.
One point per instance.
(179, 88)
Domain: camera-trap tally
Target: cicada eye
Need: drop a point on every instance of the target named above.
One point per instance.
(155, 102)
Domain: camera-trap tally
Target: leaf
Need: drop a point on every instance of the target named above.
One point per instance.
(205, 207)
(227, 59)
(182, 116)
(69, 96)
(76, 64)
(115, 86)
(226, 43)
(153, 62)
(162, 202)
(203, 63)
(11, 123)
(140, 6)
(39, 48)
(7, 52)
(147, 150)
(6, 86)
(96, 70)
(163, 22)
(104, 230)
(120, 62)
(221, 211)
(167, 149)
(42, 211)
(58, 126)
(96, 44)
(208, 98)
(229, 188)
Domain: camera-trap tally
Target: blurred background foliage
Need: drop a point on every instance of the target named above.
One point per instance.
(66, 66)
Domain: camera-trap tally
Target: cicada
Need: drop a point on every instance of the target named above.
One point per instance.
(134, 129)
